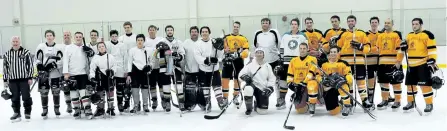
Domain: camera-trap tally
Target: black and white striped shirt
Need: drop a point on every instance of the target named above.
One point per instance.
(17, 64)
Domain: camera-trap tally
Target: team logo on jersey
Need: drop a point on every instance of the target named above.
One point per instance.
(293, 44)
(385, 46)
(412, 45)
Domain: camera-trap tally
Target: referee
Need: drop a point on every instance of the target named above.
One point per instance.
(17, 76)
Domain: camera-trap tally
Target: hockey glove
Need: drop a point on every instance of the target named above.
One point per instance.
(432, 65)
(40, 67)
(6, 85)
(326, 81)
(147, 68)
(207, 61)
(89, 51)
(357, 45)
(333, 41)
(267, 91)
(247, 78)
(50, 66)
(110, 73)
(302, 85)
(213, 60)
(404, 46)
(292, 86)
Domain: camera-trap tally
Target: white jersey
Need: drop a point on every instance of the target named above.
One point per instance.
(138, 58)
(175, 46)
(130, 41)
(290, 43)
(119, 52)
(270, 41)
(151, 43)
(94, 47)
(100, 61)
(263, 78)
(47, 51)
(191, 65)
(205, 50)
(75, 60)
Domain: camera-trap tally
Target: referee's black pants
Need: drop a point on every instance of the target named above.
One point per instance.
(20, 88)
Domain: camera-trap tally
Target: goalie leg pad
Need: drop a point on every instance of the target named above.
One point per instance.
(248, 91)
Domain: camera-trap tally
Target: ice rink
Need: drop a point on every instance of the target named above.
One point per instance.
(235, 120)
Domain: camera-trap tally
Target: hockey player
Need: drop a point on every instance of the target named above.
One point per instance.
(389, 70)
(119, 52)
(372, 57)
(290, 45)
(64, 86)
(236, 50)
(153, 39)
(129, 38)
(331, 90)
(354, 42)
(75, 69)
(208, 53)
(420, 47)
(17, 78)
(177, 53)
(334, 31)
(94, 41)
(301, 79)
(269, 39)
(139, 66)
(259, 81)
(102, 70)
(191, 69)
(316, 40)
(49, 72)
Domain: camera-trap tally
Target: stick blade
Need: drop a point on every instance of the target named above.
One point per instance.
(210, 117)
(289, 127)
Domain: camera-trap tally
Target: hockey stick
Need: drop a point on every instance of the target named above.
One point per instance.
(354, 91)
(147, 79)
(412, 90)
(109, 84)
(346, 92)
(240, 91)
(176, 88)
(288, 114)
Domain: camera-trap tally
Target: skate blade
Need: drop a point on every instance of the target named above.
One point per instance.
(382, 108)
(311, 115)
(344, 117)
(16, 120)
(27, 120)
(395, 109)
(427, 113)
(409, 110)
(44, 117)
(281, 107)
(57, 116)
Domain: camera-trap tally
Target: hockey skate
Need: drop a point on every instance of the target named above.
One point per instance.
(45, 114)
(395, 106)
(69, 109)
(16, 117)
(57, 112)
(27, 117)
(409, 107)
(99, 113)
(236, 103)
(154, 103)
(383, 105)
(222, 103)
(281, 103)
(312, 109)
(120, 109)
(77, 113)
(135, 110)
(111, 112)
(146, 109)
(428, 109)
(166, 104)
(368, 105)
(88, 112)
(346, 110)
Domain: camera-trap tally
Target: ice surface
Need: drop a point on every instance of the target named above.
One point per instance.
(235, 120)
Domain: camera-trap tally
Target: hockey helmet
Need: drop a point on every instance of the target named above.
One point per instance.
(6, 95)
(397, 75)
(218, 43)
(65, 86)
(95, 98)
(162, 46)
(437, 82)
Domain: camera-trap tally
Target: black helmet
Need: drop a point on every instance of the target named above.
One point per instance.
(218, 43)
(6, 95)
(397, 75)
(437, 82)
(95, 98)
(162, 46)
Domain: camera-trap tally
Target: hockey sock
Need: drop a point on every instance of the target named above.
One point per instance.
(385, 91)
(145, 96)
(218, 93)
(362, 89)
(371, 88)
(110, 99)
(136, 96)
(346, 99)
(226, 87)
(410, 89)
(236, 87)
(283, 89)
(397, 92)
(85, 99)
(74, 95)
(44, 97)
(120, 93)
(56, 97)
(180, 93)
(428, 94)
(312, 90)
(166, 91)
(206, 92)
(153, 91)
(67, 97)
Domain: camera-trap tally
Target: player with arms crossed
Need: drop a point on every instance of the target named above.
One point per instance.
(301, 79)
(236, 50)
(269, 40)
(259, 80)
(389, 70)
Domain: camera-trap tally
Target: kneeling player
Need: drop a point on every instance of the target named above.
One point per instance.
(301, 74)
(102, 70)
(259, 80)
(336, 68)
